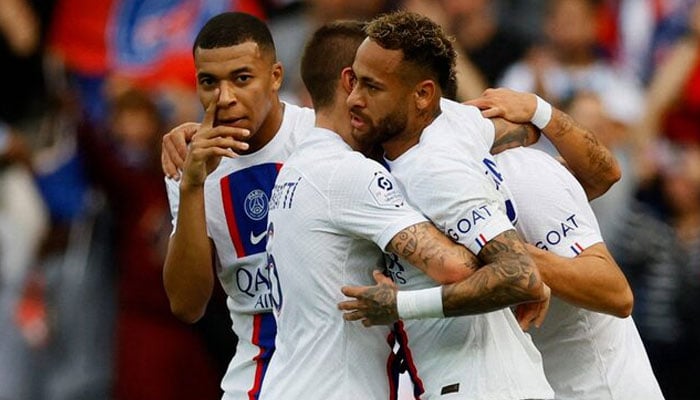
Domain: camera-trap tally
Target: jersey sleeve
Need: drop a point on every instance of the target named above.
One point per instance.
(471, 122)
(365, 201)
(459, 199)
(554, 213)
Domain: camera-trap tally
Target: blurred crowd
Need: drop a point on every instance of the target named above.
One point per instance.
(91, 86)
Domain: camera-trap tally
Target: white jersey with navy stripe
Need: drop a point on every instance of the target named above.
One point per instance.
(331, 213)
(587, 355)
(452, 178)
(236, 196)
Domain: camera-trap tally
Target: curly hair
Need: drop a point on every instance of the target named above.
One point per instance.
(423, 43)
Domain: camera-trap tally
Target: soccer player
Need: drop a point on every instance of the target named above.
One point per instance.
(219, 206)
(552, 204)
(440, 156)
(332, 212)
(589, 342)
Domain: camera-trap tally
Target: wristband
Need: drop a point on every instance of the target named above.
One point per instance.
(543, 113)
(418, 304)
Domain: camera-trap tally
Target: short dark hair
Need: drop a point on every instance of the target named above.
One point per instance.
(423, 43)
(233, 28)
(330, 49)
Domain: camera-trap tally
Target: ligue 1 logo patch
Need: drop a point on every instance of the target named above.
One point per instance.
(256, 205)
(383, 190)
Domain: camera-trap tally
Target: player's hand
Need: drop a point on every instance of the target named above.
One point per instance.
(517, 107)
(210, 143)
(533, 313)
(373, 305)
(175, 142)
(174, 148)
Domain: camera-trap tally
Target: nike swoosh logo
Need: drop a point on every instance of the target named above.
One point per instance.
(256, 239)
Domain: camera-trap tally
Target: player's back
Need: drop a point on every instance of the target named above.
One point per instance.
(452, 178)
(587, 355)
(325, 233)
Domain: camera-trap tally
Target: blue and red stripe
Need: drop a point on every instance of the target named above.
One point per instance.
(264, 331)
(576, 248)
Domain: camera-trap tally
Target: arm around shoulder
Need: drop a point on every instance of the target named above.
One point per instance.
(429, 250)
(509, 277)
(591, 280)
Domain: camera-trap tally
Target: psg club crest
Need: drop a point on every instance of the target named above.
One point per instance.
(256, 205)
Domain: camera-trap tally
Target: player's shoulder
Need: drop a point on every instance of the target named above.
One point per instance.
(528, 158)
(301, 117)
(463, 122)
(296, 124)
(455, 108)
(354, 161)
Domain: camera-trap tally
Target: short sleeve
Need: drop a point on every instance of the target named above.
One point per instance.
(554, 213)
(460, 199)
(365, 201)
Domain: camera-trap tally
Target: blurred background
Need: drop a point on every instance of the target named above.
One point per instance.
(89, 87)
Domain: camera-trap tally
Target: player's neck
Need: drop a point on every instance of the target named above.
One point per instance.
(401, 143)
(337, 120)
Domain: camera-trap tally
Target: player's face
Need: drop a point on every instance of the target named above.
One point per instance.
(248, 80)
(379, 101)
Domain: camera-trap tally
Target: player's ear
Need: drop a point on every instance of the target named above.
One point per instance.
(347, 79)
(424, 94)
(277, 75)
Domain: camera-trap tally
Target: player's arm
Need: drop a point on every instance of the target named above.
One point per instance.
(448, 262)
(188, 273)
(591, 280)
(509, 277)
(174, 148)
(429, 250)
(509, 135)
(590, 161)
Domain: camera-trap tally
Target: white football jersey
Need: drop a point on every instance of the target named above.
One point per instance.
(587, 355)
(453, 179)
(236, 197)
(331, 213)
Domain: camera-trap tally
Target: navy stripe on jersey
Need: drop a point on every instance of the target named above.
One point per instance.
(264, 331)
(245, 194)
(393, 368)
(406, 359)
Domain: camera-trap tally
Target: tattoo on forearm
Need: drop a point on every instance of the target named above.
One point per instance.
(404, 244)
(518, 136)
(507, 278)
(509, 135)
(426, 246)
(600, 157)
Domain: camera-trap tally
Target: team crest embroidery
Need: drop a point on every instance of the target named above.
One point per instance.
(256, 205)
(383, 190)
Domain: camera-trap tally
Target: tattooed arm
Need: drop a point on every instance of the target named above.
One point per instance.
(590, 161)
(510, 135)
(429, 250)
(509, 277)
